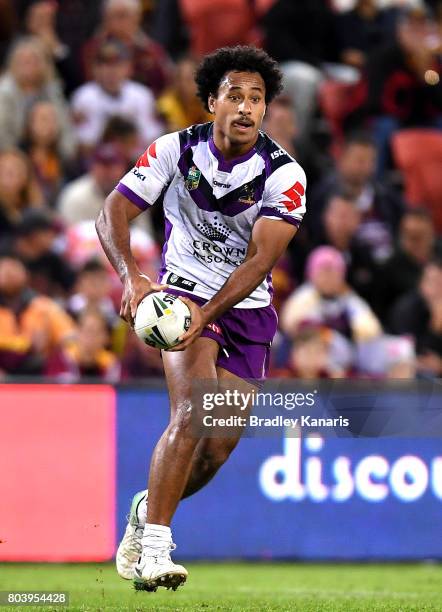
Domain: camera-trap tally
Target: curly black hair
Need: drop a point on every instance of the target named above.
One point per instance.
(210, 72)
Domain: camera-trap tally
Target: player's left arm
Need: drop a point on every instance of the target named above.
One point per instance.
(269, 240)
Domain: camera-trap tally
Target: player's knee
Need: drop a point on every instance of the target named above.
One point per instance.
(181, 423)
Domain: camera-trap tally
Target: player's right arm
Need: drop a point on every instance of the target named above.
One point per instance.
(136, 191)
(113, 231)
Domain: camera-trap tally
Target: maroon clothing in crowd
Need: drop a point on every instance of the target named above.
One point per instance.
(151, 65)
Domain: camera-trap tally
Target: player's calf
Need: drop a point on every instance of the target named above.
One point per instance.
(210, 454)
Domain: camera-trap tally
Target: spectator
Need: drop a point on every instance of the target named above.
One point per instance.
(326, 300)
(31, 326)
(121, 22)
(180, 106)
(29, 76)
(82, 199)
(283, 281)
(76, 23)
(49, 273)
(18, 190)
(361, 30)
(138, 359)
(82, 244)
(93, 291)
(8, 26)
(87, 356)
(419, 313)
(122, 134)
(281, 124)
(112, 93)
(341, 223)
(400, 274)
(309, 356)
(168, 27)
(298, 35)
(79, 204)
(40, 21)
(390, 357)
(398, 94)
(400, 356)
(380, 206)
(49, 153)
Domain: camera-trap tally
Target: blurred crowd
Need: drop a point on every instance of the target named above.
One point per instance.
(86, 86)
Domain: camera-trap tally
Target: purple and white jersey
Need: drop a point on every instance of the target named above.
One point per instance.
(211, 205)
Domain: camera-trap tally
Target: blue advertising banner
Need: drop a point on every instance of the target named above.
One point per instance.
(305, 497)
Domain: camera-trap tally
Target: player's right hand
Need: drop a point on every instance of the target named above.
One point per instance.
(135, 288)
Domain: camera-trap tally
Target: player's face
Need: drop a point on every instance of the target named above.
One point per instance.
(239, 107)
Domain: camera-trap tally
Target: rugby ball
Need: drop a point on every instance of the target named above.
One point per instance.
(161, 319)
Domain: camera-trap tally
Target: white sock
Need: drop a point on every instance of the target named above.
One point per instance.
(155, 537)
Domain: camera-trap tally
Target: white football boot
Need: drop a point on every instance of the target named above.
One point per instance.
(130, 547)
(155, 568)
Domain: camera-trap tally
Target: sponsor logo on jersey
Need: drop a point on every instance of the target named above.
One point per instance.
(143, 161)
(179, 281)
(247, 195)
(225, 185)
(193, 178)
(293, 196)
(277, 154)
(139, 175)
(215, 231)
(211, 253)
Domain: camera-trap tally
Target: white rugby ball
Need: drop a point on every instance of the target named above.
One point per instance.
(161, 319)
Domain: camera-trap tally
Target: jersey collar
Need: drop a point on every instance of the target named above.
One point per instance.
(228, 165)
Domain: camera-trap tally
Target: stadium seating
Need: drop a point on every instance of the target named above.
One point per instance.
(418, 154)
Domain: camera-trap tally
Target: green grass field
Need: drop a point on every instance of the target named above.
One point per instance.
(241, 587)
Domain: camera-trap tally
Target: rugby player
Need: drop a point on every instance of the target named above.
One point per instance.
(233, 199)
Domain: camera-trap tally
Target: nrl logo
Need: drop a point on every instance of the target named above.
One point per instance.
(193, 178)
(248, 195)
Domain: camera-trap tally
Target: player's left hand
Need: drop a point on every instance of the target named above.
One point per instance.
(198, 323)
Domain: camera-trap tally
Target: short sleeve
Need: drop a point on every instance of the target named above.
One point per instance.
(152, 173)
(284, 194)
